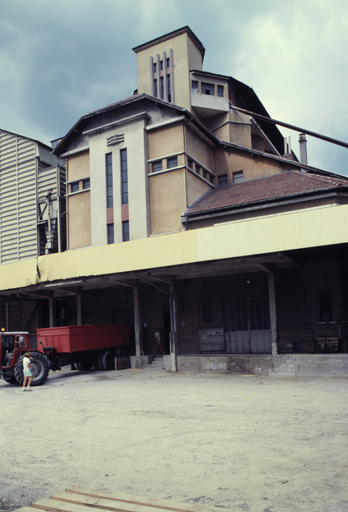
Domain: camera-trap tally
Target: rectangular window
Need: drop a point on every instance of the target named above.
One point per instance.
(86, 184)
(110, 233)
(75, 187)
(222, 179)
(161, 88)
(167, 62)
(109, 181)
(124, 176)
(237, 176)
(194, 86)
(220, 91)
(125, 231)
(157, 166)
(190, 163)
(207, 89)
(172, 162)
(155, 88)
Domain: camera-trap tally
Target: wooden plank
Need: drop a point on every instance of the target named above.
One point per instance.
(101, 503)
(58, 506)
(25, 509)
(150, 502)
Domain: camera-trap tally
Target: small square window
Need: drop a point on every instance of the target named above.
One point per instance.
(75, 187)
(222, 179)
(198, 169)
(172, 162)
(208, 89)
(237, 176)
(157, 166)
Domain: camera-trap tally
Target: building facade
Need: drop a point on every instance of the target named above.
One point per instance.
(186, 210)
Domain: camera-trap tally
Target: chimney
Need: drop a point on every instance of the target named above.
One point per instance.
(303, 148)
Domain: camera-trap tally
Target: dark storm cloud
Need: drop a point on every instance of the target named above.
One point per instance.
(61, 59)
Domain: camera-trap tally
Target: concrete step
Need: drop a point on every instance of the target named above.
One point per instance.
(156, 363)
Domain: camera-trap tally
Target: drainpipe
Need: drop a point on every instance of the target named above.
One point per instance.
(303, 148)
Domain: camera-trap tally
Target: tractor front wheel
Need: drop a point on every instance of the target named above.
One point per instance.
(39, 369)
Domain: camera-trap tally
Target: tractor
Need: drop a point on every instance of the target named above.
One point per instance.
(14, 345)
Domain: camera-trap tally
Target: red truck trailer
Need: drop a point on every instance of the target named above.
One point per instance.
(84, 346)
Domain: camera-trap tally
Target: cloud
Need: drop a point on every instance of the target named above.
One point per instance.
(59, 60)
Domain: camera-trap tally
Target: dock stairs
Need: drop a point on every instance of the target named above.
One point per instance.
(156, 363)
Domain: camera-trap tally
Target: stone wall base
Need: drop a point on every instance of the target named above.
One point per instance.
(304, 365)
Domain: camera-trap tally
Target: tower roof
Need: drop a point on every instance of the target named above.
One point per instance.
(170, 35)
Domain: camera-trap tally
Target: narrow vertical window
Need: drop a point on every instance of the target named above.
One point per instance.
(109, 187)
(169, 88)
(124, 176)
(220, 91)
(110, 233)
(125, 231)
(161, 95)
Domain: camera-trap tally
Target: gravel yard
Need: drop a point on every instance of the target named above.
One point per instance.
(241, 442)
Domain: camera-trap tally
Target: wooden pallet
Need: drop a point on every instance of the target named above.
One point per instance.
(78, 499)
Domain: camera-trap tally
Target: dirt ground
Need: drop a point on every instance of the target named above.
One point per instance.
(246, 443)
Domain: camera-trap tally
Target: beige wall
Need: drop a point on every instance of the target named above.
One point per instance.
(230, 160)
(167, 201)
(79, 208)
(165, 141)
(195, 188)
(78, 166)
(198, 149)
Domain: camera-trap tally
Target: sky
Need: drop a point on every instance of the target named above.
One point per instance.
(61, 59)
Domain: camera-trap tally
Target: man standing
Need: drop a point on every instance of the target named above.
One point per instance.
(158, 340)
(28, 376)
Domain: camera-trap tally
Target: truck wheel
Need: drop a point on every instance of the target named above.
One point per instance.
(84, 366)
(106, 360)
(39, 369)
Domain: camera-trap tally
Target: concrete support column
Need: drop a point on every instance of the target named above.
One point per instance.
(137, 322)
(51, 311)
(78, 309)
(173, 325)
(272, 312)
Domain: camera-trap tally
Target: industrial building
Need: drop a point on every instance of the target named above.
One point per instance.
(185, 208)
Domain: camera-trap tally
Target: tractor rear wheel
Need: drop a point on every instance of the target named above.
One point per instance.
(106, 360)
(39, 369)
(10, 380)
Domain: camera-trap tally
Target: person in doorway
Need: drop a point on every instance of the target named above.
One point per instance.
(28, 376)
(158, 341)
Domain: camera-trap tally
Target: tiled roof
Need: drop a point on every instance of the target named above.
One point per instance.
(268, 188)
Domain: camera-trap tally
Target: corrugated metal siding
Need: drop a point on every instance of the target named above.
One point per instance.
(18, 232)
(298, 230)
